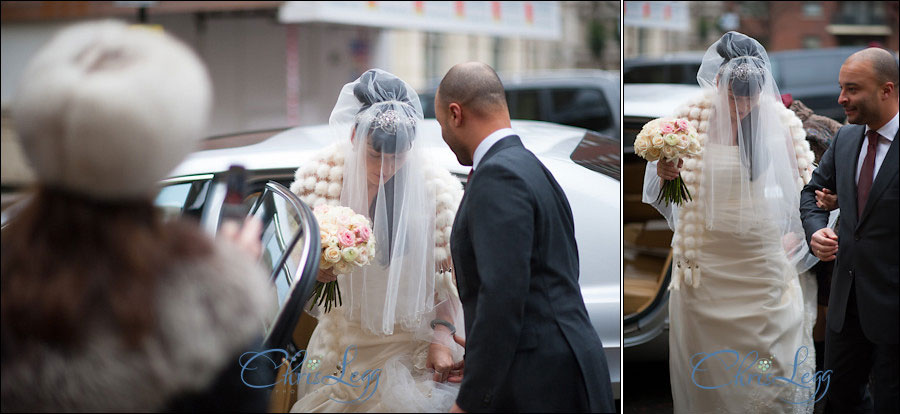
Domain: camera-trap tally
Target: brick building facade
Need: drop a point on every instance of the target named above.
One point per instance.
(819, 24)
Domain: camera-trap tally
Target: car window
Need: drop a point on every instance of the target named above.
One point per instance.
(810, 71)
(580, 107)
(281, 222)
(171, 200)
(598, 153)
(684, 74)
(183, 198)
(290, 242)
(427, 101)
(646, 74)
(525, 104)
(680, 73)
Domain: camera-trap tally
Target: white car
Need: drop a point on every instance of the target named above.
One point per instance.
(585, 163)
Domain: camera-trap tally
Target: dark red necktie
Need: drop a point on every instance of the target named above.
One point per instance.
(866, 173)
(469, 178)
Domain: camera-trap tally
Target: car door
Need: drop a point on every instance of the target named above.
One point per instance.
(286, 238)
(291, 246)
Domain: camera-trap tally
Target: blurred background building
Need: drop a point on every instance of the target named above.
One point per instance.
(277, 64)
(819, 24)
(656, 28)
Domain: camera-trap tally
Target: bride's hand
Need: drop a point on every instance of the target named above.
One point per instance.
(440, 359)
(668, 170)
(326, 275)
(826, 199)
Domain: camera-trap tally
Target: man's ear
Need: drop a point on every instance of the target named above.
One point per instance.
(888, 90)
(456, 116)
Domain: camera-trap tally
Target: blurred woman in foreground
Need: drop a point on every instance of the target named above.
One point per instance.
(104, 306)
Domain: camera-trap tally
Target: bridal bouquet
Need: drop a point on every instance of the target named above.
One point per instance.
(347, 244)
(670, 139)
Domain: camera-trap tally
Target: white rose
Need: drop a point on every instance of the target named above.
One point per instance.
(349, 253)
(670, 152)
(694, 147)
(640, 147)
(671, 140)
(342, 268)
(657, 141)
(332, 254)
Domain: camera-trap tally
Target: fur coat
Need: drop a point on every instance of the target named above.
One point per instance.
(209, 311)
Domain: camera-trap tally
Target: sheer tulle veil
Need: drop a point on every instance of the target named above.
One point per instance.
(745, 106)
(384, 179)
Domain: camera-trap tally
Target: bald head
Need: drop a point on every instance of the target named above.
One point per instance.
(474, 86)
(882, 62)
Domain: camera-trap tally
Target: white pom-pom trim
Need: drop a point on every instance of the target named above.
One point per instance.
(334, 190)
(309, 183)
(336, 173)
(321, 188)
(322, 170)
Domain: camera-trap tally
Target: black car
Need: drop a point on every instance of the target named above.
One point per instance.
(586, 99)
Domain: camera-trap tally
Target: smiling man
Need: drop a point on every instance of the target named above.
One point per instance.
(861, 167)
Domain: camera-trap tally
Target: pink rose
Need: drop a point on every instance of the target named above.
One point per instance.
(667, 128)
(346, 238)
(682, 124)
(363, 234)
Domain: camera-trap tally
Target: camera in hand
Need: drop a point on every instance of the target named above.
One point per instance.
(233, 207)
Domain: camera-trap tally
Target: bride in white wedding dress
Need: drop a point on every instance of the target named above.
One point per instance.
(389, 347)
(740, 335)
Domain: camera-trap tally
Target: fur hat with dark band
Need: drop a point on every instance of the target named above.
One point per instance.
(107, 110)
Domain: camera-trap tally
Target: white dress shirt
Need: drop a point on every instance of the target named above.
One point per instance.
(489, 142)
(887, 132)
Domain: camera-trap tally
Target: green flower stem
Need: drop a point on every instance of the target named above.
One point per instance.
(674, 191)
(328, 294)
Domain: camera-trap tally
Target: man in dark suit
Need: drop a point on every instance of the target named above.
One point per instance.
(530, 345)
(861, 168)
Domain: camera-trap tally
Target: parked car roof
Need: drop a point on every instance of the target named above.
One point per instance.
(289, 148)
(655, 100)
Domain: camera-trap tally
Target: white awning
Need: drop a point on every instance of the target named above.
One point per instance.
(671, 15)
(528, 19)
(858, 30)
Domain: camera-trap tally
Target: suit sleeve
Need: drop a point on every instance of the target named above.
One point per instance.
(813, 217)
(502, 232)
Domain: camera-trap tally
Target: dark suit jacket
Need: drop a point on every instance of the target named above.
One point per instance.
(530, 345)
(867, 247)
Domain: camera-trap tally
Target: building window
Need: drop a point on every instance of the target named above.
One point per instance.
(434, 43)
(812, 9)
(812, 42)
(497, 53)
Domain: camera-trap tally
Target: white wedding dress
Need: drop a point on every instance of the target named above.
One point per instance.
(750, 300)
(391, 369)
(392, 376)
